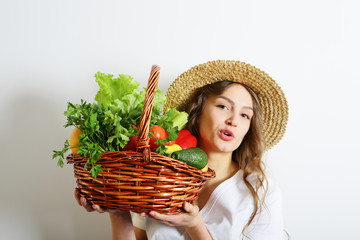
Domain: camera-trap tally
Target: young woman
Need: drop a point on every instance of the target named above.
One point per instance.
(236, 112)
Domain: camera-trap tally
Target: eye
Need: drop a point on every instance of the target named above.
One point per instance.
(245, 116)
(223, 106)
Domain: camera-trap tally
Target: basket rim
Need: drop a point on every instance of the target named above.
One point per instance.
(155, 158)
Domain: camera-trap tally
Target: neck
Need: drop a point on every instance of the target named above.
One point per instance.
(222, 164)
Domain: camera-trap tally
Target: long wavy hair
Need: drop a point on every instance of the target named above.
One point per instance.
(248, 156)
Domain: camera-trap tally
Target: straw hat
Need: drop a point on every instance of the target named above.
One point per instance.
(272, 98)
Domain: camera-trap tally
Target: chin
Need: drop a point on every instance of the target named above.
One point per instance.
(226, 149)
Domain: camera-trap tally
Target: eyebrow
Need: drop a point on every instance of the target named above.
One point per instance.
(232, 102)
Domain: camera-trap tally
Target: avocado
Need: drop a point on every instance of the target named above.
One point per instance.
(194, 157)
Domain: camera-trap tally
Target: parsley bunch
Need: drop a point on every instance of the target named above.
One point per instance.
(108, 124)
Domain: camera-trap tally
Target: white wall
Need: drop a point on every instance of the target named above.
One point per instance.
(50, 51)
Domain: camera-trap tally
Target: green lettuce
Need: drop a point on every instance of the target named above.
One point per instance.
(108, 124)
(114, 88)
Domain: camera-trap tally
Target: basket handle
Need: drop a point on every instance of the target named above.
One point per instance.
(144, 140)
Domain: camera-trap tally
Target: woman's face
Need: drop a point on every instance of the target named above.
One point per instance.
(225, 119)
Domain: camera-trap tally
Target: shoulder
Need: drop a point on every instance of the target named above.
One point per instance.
(270, 188)
(269, 221)
(273, 195)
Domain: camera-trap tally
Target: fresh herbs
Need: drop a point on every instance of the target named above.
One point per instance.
(108, 124)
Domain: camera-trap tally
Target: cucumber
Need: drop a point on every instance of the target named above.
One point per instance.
(194, 157)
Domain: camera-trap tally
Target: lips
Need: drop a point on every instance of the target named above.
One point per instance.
(226, 135)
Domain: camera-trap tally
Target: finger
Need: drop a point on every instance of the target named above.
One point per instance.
(86, 205)
(158, 216)
(144, 215)
(191, 209)
(166, 219)
(77, 196)
(98, 208)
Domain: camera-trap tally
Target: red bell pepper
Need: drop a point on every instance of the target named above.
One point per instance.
(185, 139)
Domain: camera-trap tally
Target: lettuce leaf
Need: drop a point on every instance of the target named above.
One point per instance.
(173, 118)
(113, 88)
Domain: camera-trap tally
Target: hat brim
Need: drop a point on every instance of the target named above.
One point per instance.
(272, 99)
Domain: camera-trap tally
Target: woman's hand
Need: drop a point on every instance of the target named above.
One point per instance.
(189, 219)
(90, 208)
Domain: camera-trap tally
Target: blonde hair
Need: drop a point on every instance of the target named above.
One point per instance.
(248, 155)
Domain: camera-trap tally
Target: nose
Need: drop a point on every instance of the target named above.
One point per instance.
(231, 122)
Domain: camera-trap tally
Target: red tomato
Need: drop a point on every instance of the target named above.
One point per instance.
(158, 132)
(132, 144)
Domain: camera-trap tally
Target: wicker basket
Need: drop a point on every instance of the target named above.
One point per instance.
(141, 180)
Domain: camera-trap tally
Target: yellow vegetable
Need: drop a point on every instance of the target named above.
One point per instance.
(74, 140)
(172, 148)
(205, 169)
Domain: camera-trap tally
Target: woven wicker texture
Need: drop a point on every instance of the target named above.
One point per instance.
(141, 180)
(272, 98)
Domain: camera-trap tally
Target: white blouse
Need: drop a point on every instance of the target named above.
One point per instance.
(226, 213)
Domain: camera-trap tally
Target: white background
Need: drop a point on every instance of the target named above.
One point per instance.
(50, 51)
